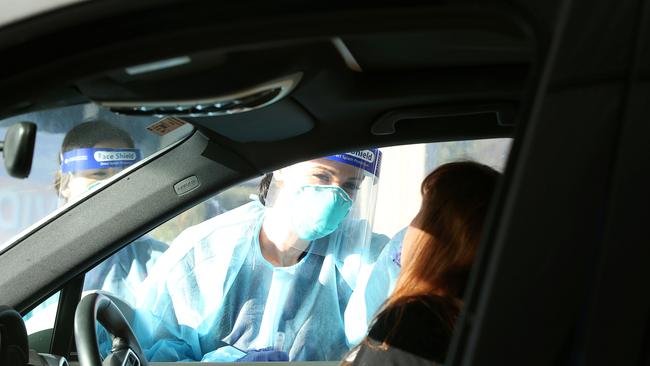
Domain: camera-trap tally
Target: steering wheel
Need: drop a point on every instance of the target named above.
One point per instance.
(97, 307)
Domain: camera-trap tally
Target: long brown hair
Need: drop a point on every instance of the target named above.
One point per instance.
(455, 200)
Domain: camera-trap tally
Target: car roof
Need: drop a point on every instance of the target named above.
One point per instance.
(462, 70)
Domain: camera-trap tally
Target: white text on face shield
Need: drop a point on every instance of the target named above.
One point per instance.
(103, 156)
(365, 155)
(75, 158)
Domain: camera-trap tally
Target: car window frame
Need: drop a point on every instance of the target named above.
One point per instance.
(72, 290)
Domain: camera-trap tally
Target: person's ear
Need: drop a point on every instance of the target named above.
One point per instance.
(63, 185)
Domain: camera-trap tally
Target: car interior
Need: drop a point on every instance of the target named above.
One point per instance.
(265, 85)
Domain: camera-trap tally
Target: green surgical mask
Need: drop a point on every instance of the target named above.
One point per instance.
(317, 211)
(95, 185)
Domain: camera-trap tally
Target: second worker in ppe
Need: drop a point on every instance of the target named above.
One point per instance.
(91, 153)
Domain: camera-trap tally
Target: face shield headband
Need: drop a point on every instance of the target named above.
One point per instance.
(98, 158)
(367, 160)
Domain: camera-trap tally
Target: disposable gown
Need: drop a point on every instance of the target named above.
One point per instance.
(374, 286)
(122, 273)
(214, 288)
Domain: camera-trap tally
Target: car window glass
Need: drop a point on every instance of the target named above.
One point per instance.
(399, 192)
(208, 286)
(77, 149)
(39, 323)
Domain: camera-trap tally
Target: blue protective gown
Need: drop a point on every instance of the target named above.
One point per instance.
(122, 273)
(373, 288)
(214, 288)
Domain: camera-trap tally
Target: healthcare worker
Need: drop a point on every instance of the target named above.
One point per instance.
(272, 280)
(91, 153)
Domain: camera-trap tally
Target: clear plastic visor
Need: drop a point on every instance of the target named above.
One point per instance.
(84, 169)
(323, 205)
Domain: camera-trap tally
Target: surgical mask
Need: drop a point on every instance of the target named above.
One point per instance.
(78, 186)
(94, 185)
(317, 211)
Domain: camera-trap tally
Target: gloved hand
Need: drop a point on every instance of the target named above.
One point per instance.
(264, 355)
(395, 247)
(396, 255)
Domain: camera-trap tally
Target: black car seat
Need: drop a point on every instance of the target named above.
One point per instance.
(13, 338)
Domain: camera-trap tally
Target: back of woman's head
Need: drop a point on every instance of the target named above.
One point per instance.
(438, 250)
(455, 200)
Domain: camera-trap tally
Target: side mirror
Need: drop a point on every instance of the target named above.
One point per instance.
(18, 149)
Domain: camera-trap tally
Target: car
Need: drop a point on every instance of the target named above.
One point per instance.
(214, 96)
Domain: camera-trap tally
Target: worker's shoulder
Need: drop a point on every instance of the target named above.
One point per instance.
(216, 234)
(242, 218)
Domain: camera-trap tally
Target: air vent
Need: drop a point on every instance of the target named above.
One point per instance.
(243, 101)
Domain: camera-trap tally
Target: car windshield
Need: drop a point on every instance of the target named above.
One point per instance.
(77, 150)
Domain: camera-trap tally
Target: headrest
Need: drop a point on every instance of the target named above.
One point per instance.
(13, 338)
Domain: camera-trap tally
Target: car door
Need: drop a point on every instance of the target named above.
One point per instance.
(558, 237)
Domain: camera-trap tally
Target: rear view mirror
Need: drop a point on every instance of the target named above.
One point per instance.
(18, 149)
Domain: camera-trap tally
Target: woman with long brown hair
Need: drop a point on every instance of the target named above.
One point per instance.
(416, 322)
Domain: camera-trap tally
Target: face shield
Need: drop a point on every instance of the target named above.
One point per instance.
(85, 169)
(325, 205)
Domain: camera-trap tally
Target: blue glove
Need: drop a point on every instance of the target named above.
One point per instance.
(264, 355)
(396, 255)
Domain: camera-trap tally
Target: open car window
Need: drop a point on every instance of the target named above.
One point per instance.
(77, 149)
(205, 286)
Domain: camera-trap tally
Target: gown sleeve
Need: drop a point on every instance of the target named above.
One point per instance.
(374, 284)
(188, 283)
